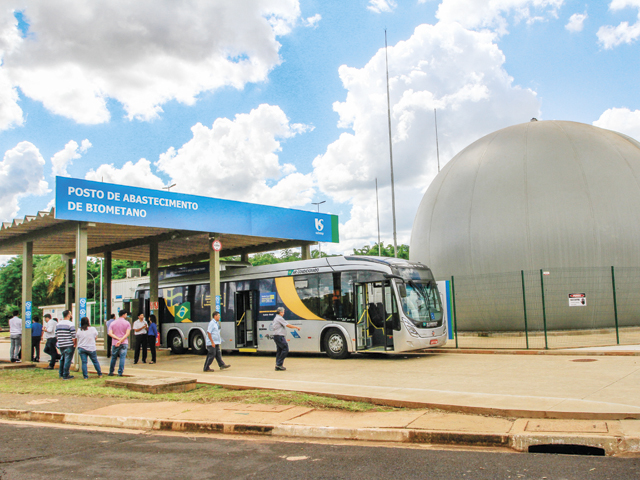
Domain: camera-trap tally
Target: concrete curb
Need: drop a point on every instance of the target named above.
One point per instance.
(614, 444)
(507, 351)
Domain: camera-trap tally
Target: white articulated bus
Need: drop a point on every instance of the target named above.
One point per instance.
(342, 304)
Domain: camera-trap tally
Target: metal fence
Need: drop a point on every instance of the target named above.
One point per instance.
(544, 309)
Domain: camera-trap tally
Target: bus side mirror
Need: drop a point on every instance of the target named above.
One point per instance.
(402, 290)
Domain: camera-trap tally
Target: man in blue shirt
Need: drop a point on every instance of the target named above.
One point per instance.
(213, 344)
(36, 337)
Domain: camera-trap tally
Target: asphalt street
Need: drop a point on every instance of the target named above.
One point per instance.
(30, 451)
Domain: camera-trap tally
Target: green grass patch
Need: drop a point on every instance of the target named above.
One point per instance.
(5, 334)
(38, 381)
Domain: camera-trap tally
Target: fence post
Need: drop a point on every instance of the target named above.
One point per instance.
(615, 304)
(544, 313)
(455, 316)
(524, 306)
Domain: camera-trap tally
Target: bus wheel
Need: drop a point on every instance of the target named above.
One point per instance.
(335, 345)
(175, 343)
(198, 345)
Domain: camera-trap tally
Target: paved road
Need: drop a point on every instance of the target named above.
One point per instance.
(37, 452)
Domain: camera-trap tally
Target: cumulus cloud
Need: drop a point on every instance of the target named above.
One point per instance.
(238, 159)
(137, 174)
(621, 120)
(576, 22)
(312, 21)
(445, 66)
(493, 13)
(78, 55)
(62, 159)
(379, 6)
(610, 36)
(21, 174)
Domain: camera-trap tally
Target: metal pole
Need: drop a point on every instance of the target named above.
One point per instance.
(524, 306)
(455, 316)
(435, 115)
(615, 304)
(378, 213)
(393, 192)
(319, 246)
(544, 313)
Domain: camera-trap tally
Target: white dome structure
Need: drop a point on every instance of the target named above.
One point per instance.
(557, 196)
(548, 194)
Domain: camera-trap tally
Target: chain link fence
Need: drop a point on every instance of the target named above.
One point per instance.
(553, 308)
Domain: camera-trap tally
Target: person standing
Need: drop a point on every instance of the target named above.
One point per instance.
(50, 339)
(108, 338)
(67, 342)
(119, 331)
(279, 326)
(15, 332)
(87, 347)
(140, 329)
(152, 337)
(213, 344)
(36, 337)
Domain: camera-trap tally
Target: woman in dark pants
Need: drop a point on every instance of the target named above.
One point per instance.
(151, 336)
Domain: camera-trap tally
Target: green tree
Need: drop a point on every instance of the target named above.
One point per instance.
(375, 250)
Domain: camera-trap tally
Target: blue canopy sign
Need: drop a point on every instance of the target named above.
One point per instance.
(87, 201)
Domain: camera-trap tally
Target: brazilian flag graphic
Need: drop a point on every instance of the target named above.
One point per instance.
(183, 313)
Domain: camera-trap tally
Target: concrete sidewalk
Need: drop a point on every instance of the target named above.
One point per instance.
(617, 437)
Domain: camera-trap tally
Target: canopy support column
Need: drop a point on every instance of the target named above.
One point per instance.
(80, 281)
(107, 285)
(214, 276)
(27, 292)
(306, 252)
(68, 281)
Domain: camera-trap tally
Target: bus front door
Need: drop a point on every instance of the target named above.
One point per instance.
(246, 314)
(374, 316)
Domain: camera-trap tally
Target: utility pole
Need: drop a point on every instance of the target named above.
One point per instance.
(393, 192)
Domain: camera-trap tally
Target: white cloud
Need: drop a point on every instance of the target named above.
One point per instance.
(379, 6)
(238, 159)
(137, 174)
(62, 159)
(492, 14)
(610, 36)
(621, 120)
(576, 22)
(312, 21)
(10, 111)
(21, 174)
(444, 66)
(80, 54)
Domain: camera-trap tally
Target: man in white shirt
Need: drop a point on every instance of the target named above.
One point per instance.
(140, 328)
(15, 332)
(49, 336)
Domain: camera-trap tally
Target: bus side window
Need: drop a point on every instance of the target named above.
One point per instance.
(347, 291)
(327, 308)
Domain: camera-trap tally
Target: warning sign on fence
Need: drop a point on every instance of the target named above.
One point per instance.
(577, 299)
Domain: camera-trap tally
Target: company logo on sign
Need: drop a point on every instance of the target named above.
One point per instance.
(319, 224)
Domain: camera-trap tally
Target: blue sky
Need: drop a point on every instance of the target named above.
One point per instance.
(283, 102)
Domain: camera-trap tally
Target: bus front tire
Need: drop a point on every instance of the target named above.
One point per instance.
(335, 344)
(175, 343)
(198, 344)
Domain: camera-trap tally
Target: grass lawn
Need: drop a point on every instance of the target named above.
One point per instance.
(46, 382)
(4, 334)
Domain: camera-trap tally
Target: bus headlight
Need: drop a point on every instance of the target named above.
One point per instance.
(410, 328)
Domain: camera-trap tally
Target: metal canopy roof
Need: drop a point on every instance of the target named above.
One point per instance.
(53, 236)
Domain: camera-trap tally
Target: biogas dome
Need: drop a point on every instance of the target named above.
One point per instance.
(537, 196)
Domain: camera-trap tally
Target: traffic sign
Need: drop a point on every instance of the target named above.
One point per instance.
(216, 245)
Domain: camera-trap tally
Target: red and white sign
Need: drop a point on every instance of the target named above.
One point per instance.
(216, 245)
(577, 299)
(154, 305)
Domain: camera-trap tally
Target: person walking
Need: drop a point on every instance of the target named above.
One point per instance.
(279, 326)
(50, 340)
(119, 331)
(108, 338)
(140, 328)
(152, 335)
(36, 337)
(15, 333)
(67, 342)
(87, 347)
(213, 344)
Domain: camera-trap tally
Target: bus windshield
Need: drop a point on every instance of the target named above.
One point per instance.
(422, 301)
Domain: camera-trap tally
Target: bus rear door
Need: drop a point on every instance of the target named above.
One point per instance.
(246, 316)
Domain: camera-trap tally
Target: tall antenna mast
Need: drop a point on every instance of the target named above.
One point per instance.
(393, 192)
(378, 212)
(437, 147)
